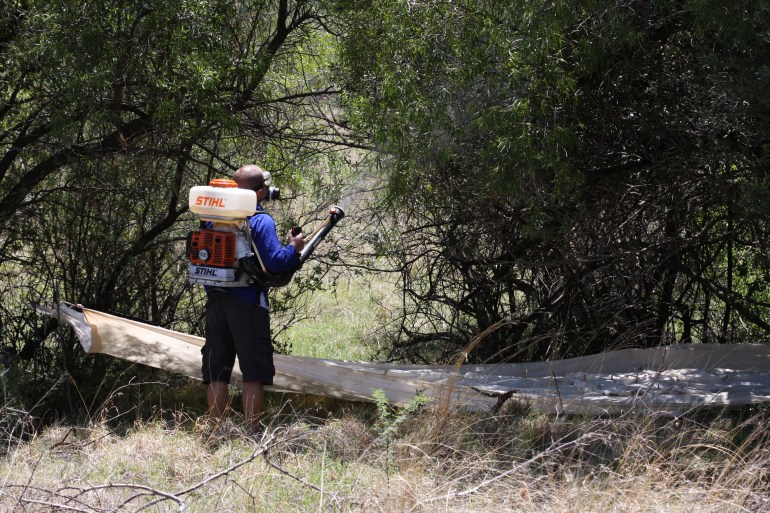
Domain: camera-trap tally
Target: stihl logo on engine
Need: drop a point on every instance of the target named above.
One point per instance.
(211, 248)
(216, 276)
(208, 201)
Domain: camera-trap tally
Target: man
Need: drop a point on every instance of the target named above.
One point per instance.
(238, 319)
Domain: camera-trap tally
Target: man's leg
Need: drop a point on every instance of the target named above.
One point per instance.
(218, 400)
(218, 355)
(253, 396)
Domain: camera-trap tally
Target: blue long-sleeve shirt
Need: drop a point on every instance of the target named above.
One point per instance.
(276, 257)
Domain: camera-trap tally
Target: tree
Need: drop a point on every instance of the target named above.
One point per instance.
(110, 112)
(569, 176)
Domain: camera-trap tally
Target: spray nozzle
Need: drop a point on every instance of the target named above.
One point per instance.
(336, 213)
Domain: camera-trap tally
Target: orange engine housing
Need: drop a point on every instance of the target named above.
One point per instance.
(212, 248)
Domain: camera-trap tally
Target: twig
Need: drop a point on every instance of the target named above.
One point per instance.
(286, 473)
(302, 481)
(323, 468)
(27, 487)
(31, 476)
(55, 505)
(558, 393)
(262, 449)
(547, 452)
(63, 442)
(153, 491)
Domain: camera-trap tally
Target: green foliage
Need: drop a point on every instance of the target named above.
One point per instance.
(577, 175)
(435, 100)
(110, 112)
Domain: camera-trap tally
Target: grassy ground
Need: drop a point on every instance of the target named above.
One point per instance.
(330, 456)
(514, 461)
(339, 325)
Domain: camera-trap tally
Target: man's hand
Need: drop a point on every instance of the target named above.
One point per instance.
(298, 241)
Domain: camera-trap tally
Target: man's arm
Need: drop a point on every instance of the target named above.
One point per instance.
(274, 255)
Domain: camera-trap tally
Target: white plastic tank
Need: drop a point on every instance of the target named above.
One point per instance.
(222, 199)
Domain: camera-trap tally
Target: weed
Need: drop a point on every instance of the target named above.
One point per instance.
(389, 418)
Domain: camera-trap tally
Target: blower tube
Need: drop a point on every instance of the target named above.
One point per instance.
(335, 214)
(281, 279)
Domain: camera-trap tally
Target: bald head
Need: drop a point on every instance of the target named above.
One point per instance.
(249, 176)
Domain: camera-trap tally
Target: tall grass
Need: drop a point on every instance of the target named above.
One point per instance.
(340, 324)
(513, 461)
(348, 457)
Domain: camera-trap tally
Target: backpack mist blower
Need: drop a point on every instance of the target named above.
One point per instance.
(221, 252)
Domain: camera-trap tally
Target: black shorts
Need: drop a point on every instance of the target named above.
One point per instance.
(237, 328)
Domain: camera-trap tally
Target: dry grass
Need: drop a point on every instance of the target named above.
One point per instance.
(514, 461)
(320, 457)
